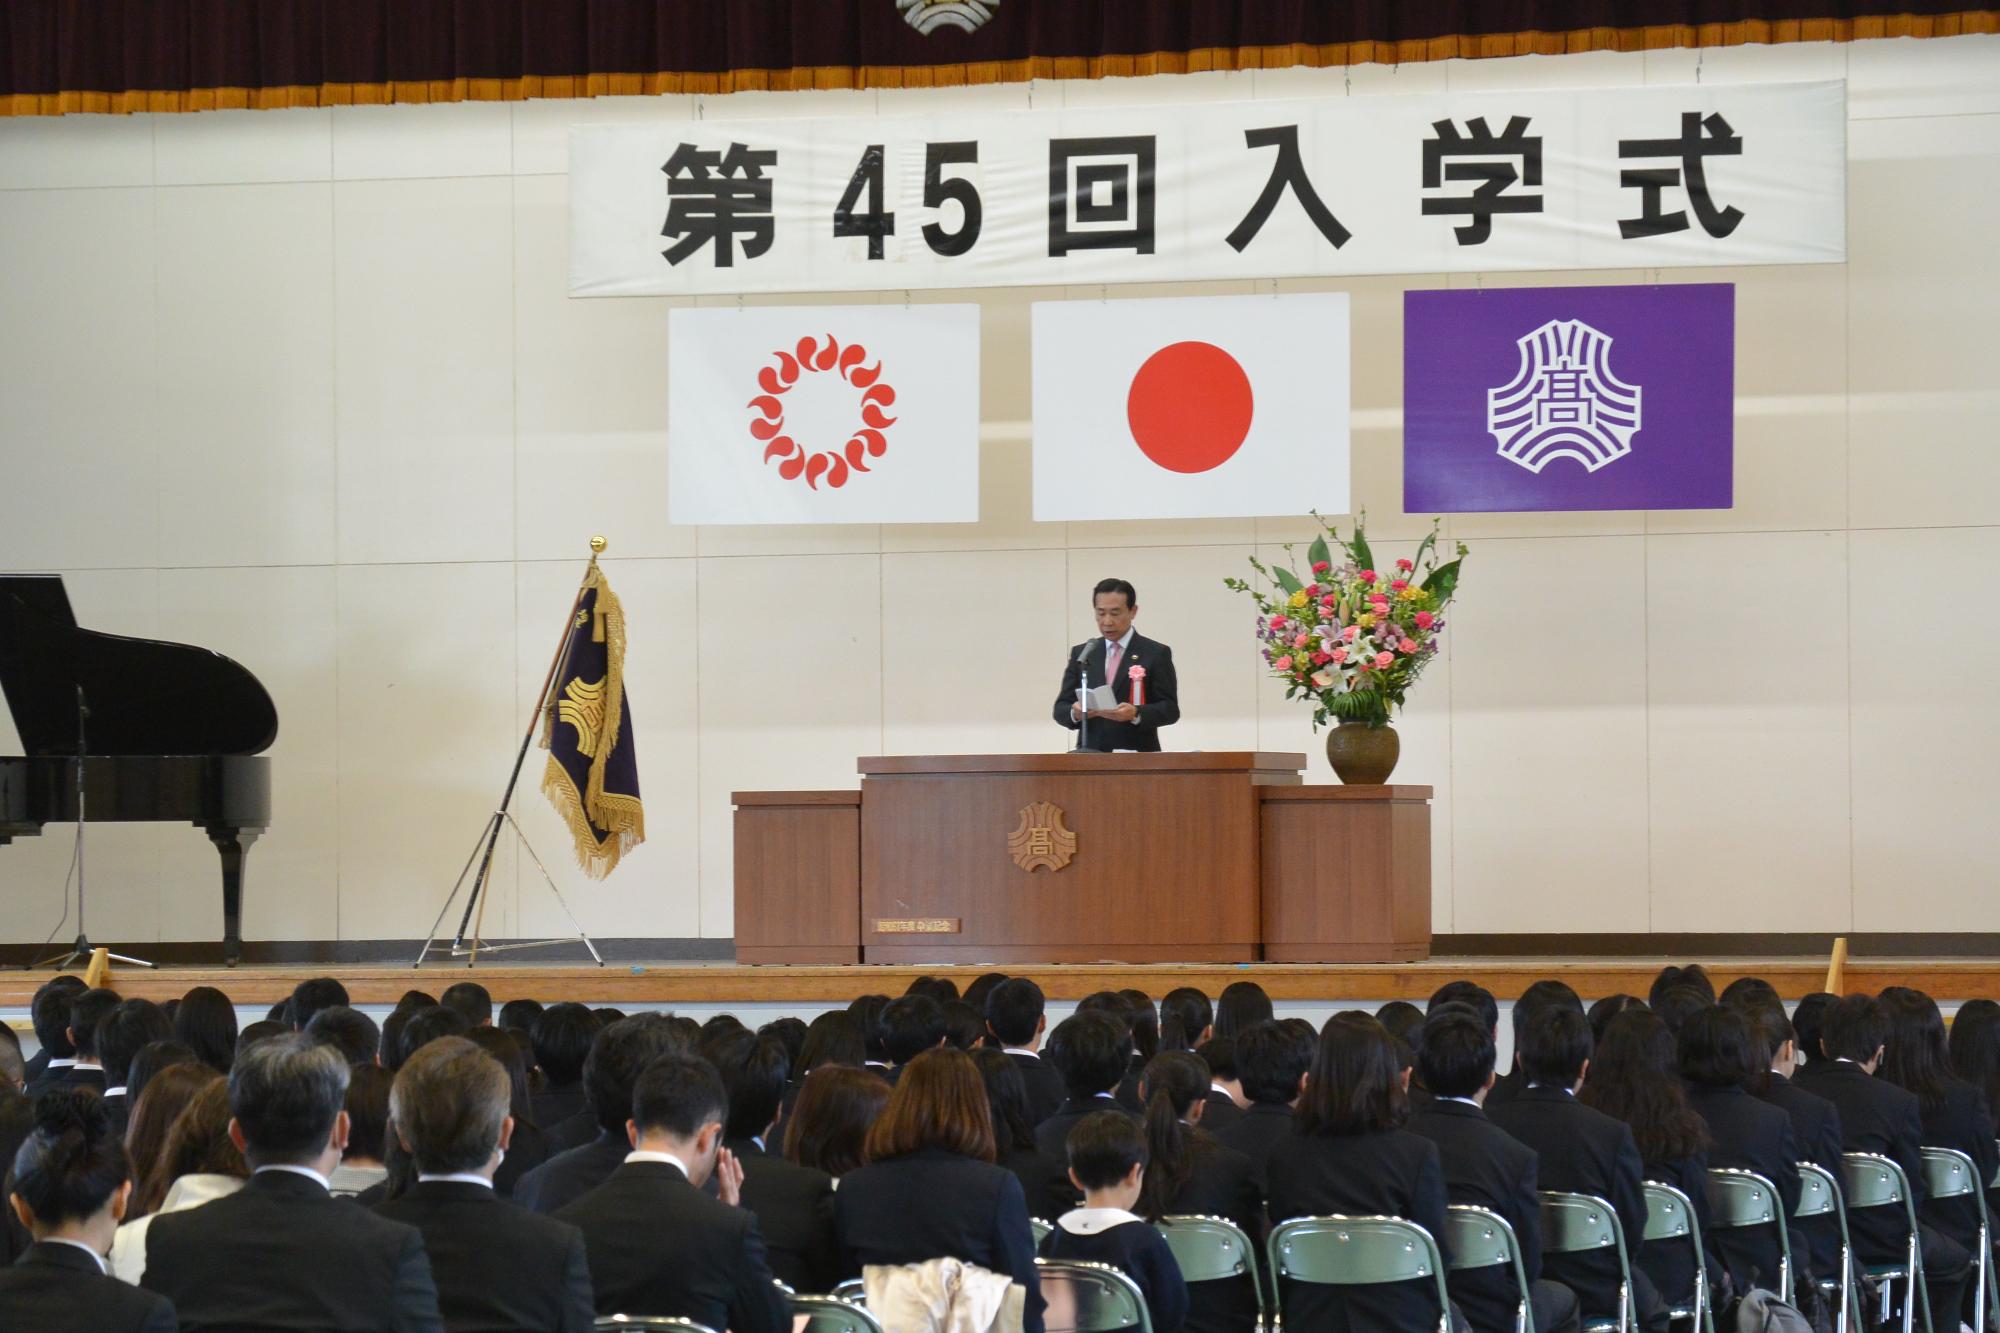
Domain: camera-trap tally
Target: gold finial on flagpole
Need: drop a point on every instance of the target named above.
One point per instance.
(597, 545)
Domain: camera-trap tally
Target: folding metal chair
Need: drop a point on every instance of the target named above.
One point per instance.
(1950, 1174)
(1670, 1216)
(1577, 1222)
(1874, 1181)
(831, 1314)
(1819, 1196)
(608, 1322)
(1745, 1199)
(854, 1291)
(1481, 1238)
(1041, 1230)
(1213, 1249)
(1090, 1298)
(1355, 1252)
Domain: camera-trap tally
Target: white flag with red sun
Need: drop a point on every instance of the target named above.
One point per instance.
(1203, 407)
(823, 414)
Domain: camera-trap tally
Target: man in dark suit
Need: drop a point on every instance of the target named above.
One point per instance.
(86, 1011)
(496, 1264)
(1579, 1150)
(1111, 659)
(618, 1055)
(1271, 1064)
(793, 1203)
(1016, 1015)
(1487, 1167)
(657, 1244)
(1091, 1050)
(1876, 1116)
(1220, 1108)
(1815, 1121)
(121, 1034)
(561, 1038)
(49, 1012)
(1544, 994)
(283, 1252)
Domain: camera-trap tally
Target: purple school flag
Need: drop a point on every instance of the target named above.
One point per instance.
(1537, 398)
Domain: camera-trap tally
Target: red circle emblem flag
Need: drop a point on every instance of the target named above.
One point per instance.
(1190, 407)
(868, 437)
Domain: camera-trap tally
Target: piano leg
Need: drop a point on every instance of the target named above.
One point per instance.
(232, 845)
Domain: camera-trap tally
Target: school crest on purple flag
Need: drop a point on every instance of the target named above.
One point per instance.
(1569, 398)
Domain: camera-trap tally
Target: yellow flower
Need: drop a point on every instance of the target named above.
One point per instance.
(1408, 595)
(1366, 620)
(1299, 599)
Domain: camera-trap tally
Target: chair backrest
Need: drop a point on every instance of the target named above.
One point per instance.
(1739, 1198)
(1874, 1181)
(1355, 1252)
(830, 1314)
(1572, 1222)
(1041, 1230)
(1670, 1215)
(1949, 1174)
(1481, 1238)
(608, 1322)
(1819, 1192)
(854, 1291)
(1090, 1298)
(1208, 1249)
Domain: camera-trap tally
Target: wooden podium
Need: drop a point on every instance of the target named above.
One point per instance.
(1069, 858)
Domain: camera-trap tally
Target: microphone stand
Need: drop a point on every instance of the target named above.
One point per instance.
(1083, 715)
(81, 951)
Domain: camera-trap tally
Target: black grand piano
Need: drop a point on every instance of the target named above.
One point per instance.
(170, 733)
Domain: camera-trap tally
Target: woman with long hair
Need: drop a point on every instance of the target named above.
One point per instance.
(167, 1094)
(529, 1147)
(206, 1021)
(199, 1162)
(828, 1128)
(1187, 1019)
(1721, 1058)
(931, 1190)
(1349, 1153)
(1242, 1004)
(1188, 1172)
(1635, 1077)
(1044, 1183)
(1975, 1051)
(1917, 1059)
(72, 1182)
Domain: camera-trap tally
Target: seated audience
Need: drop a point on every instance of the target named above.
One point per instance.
(619, 1053)
(1975, 1050)
(1676, 1004)
(1719, 1056)
(910, 1026)
(1144, 1020)
(1016, 1016)
(496, 1265)
(1107, 1162)
(283, 1252)
(427, 1025)
(1601, 1013)
(1044, 1183)
(1579, 1150)
(931, 1189)
(1744, 992)
(1815, 1122)
(1271, 1064)
(361, 1161)
(519, 1015)
(1535, 1001)
(830, 1039)
(152, 1058)
(121, 1034)
(1351, 1155)
(349, 1031)
(1189, 1172)
(262, 1030)
(1091, 1050)
(964, 1026)
(793, 1204)
(48, 1014)
(561, 1035)
(206, 1021)
(308, 998)
(982, 986)
(89, 1009)
(1693, 976)
(197, 1164)
(1187, 1019)
(828, 1127)
(71, 1185)
(153, 1117)
(1242, 1004)
(941, 989)
(866, 1010)
(471, 1001)
(1808, 1018)
(1225, 1099)
(1635, 1077)
(1487, 1167)
(529, 1146)
(657, 1244)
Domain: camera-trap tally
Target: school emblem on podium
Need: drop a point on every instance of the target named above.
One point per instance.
(1041, 839)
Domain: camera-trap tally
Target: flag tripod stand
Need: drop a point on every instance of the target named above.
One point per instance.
(503, 818)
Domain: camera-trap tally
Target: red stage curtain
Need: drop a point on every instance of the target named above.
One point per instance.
(59, 56)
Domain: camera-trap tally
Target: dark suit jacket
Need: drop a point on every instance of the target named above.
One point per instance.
(1046, 1093)
(1162, 707)
(938, 1205)
(1750, 1134)
(1505, 1089)
(574, 1132)
(1960, 1121)
(569, 1176)
(659, 1246)
(794, 1208)
(555, 1105)
(36, 1064)
(1393, 1173)
(1580, 1150)
(1816, 1127)
(1053, 1133)
(1045, 1183)
(77, 1076)
(45, 1079)
(497, 1265)
(1260, 1128)
(1222, 1112)
(1222, 1184)
(57, 1289)
(1486, 1166)
(528, 1149)
(119, 1108)
(1879, 1117)
(282, 1253)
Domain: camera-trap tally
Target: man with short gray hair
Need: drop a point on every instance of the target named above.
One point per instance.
(282, 1252)
(497, 1265)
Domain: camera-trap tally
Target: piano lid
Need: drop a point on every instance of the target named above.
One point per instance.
(145, 697)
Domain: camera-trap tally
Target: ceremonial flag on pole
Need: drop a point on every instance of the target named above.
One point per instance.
(593, 771)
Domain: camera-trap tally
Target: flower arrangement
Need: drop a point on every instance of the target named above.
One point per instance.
(1349, 636)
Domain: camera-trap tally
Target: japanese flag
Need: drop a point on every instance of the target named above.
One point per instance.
(823, 414)
(1205, 407)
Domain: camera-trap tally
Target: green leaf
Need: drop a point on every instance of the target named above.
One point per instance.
(1425, 545)
(1317, 553)
(1443, 581)
(1362, 555)
(1286, 580)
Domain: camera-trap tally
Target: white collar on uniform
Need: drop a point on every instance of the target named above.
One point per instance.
(454, 1177)
(1463, 1101)
(305, 1171)
(1021, 1050)
(1090, 1221)
(641, 1155)
(77, 1244)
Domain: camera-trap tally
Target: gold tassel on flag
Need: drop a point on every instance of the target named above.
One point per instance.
(592, 777)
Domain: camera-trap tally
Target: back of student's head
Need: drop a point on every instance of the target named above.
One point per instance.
(473, 1002)
(1092, 1051)
(1553, 1048)
(427, 1025)
(678, 1095)
(790, 1031)
(197, 1143)
(154, 1111)
(73, 1160)
(49, 1014)
(1185, 1018)
(1770, 1029)
(867, 1012)
(1006, 1098)
(1173, 1082)
(561, 1035)
(1918, 1054)
(206, 1021)
(911, 1025)
(367, 1106)
(520, 1014)
(1676, 1004)
(1145, 1019)
(1241, 1004)
(1603, 1011)
(1219, 1054)
(154, 1058)
(286, 1092)
(309, 997)
(86, 1010)
(1014, 1011)
(1356, 1085)
(1472, 994)
(964, 1026)
(1405, 1024)
(1855, 1028)
(753, 1072)
(1455, 1051)
(1809, 1021)
(832, 1039)
(1719, 1049)
(1103, 1147)
(448, 1103)
(349, 1031)
(982, 986)
(1746, 990)
(1694, 974)
(1270, 1060)
(131, 1025)
(1634, 1077)
(1538, 999)
(621, 1052)
(828, 1127)
(1975, 1047)
(938, 1103)
(507, 1048)
(262, 1030)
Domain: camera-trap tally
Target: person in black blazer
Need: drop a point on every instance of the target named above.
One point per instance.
(1350, 1154)
(1118, 652)
(1108, 1159)
(931, 1189)
(121, 1035)
(496, 1265)
(88, 1009)
(49, 1014)
(793, 1203)
(1091, 1050)
(1876, 1116)
(1535, 1000)
(1271, 1063)
(619, 1053)
(71, 1186)
(1486, 1167)
(1189, 1173)
(657, 1244)
(1579, 1150)
(561, 1036)
(1045, 1183)
(1016, 1016)
(1219, 1054)
(1815, 1121)
(283, 1252)
(1720, 1055)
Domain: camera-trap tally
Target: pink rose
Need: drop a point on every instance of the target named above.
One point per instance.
(1398, 585)
(1408, 645)
(1277, 622)
(1384, 659)
(1337, 655)
(1348, 635)
(1329, 600)
(1366, 576)
(1321, 566)
(1425, 620)
(1322, 657)
(1312, 590)
(1285, 663)
(1405, 566)
(1302, 640)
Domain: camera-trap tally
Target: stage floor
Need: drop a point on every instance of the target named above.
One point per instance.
(625, 983)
